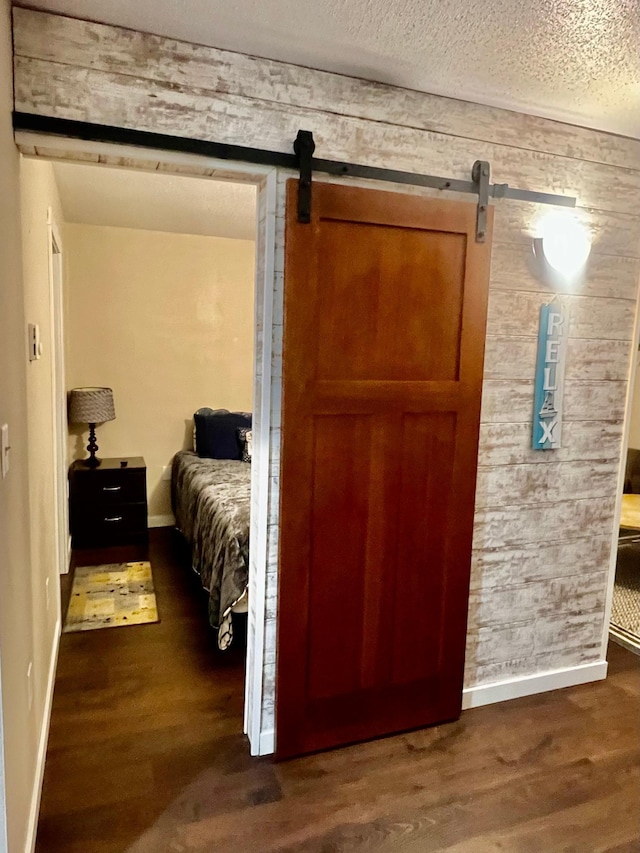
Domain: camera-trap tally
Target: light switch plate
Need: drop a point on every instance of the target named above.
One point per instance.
(35, 346)
(30, 684)
(4, 449)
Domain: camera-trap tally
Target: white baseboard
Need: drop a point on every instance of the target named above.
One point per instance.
(501, 691)
(513, 688)
(34, 811)
(267, 745)
(161, 520)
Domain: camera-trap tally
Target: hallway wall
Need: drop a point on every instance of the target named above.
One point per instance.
(39, 196)
(19, 720)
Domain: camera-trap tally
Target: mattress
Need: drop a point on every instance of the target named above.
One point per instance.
(211, 501)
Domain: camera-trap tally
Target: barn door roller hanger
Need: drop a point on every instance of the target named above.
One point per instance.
(304, 147)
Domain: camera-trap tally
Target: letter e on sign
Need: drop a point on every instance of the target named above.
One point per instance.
(551, 356)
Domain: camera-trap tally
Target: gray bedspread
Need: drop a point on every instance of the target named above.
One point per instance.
(211, 501)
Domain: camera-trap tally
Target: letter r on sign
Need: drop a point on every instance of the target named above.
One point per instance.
(554, 322)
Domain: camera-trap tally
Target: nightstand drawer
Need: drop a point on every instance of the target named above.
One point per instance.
(112, 487)
(109, 524)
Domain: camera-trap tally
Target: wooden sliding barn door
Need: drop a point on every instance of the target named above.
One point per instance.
(385, 314)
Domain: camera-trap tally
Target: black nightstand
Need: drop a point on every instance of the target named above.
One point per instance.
(108, 504)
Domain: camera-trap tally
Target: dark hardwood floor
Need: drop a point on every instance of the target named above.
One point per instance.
(146, 755)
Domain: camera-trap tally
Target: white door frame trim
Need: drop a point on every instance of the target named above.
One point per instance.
(258, 539)
(54, 148)
(56, 321)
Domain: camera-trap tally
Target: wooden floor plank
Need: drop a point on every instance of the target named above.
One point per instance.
(146, 755)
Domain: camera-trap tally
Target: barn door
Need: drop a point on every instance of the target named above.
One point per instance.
(385, 314)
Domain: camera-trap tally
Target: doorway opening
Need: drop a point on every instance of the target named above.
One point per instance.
(108, 307)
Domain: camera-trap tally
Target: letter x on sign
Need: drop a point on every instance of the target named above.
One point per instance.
(547, 431)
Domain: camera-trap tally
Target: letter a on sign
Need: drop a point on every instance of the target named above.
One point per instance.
(549, 386)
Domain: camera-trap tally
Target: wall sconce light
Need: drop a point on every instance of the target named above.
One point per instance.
(562, 243)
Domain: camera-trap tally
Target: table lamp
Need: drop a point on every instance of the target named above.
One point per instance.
(91, 406)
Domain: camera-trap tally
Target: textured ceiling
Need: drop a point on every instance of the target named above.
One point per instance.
(97, 195)
(573, 60)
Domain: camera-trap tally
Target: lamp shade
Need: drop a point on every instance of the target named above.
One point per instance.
(91, 405)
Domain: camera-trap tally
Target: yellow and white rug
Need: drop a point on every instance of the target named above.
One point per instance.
(111, 595)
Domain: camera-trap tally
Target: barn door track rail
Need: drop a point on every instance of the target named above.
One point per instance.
(301, 160)
(479, 185)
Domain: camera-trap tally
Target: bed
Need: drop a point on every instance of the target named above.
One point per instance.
(211, 501)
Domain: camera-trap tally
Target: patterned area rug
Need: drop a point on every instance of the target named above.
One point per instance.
(626, 592)
(111, 595)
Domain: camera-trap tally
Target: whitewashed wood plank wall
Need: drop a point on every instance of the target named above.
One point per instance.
(544, 522)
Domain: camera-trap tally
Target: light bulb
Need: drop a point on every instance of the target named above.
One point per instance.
(565, 242)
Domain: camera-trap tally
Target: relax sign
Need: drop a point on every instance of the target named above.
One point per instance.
(549, 386)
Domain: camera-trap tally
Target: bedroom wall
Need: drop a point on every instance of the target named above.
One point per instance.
(166, 320)
(544, 525)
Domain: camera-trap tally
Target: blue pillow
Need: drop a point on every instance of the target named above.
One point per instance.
(217, 433)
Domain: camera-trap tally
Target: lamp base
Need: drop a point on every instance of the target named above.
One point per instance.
(92, 447)
(92, 462)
